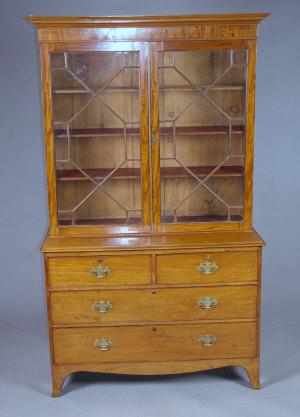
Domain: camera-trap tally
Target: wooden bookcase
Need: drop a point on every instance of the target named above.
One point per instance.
(152, 264)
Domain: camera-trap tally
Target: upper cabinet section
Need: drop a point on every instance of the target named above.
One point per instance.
(149, 122)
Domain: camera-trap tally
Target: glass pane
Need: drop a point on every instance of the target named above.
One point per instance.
(202, 123)
(96, 118)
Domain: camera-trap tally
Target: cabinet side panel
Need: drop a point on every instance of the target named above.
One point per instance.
(248, 190)
(49, 143)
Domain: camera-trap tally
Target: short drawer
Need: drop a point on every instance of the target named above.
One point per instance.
(101, 270)
(162, 342)
(108, 306)
(207, 267)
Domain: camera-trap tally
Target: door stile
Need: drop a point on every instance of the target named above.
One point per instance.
(248, 186)
(49, 137)
(145, 157)
(155, 163)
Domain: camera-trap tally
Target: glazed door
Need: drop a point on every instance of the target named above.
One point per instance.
(199, 121)
(100, 131)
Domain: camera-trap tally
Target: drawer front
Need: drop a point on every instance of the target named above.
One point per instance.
(163, 342)
(112, 270)
(207, 267)
(83, 307)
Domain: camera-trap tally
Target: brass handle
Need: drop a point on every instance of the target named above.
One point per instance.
(103, 344)
(101, 306)
(207, 302)
(207, 340)
(100, 271)
(207, 267)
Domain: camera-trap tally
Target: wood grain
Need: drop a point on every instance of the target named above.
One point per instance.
(145, 157)
(251, 365)
(248, 185)
(155, 137)
(153, 305)
(166, 342)
(49, 139)
(137, 21)
(232, 266)
(75, 271)
(169, 242)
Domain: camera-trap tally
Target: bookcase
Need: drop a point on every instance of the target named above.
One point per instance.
(152, 265)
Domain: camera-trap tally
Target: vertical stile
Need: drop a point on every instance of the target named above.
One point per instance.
(49, 136)
(155, 135)
(248, 185)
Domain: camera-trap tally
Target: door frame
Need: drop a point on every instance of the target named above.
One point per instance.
(155, 48)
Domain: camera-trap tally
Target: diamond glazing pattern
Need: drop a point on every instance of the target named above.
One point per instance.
(203, 96)
(93, 97)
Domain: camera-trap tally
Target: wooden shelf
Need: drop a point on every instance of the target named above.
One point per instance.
(202, 171)
(135, 173)
(101, 222)
(200, 130)
(94, 132)
(199, 219)
(138, 220)
(185, 88)
(164, 131)
(98, 174)
(95, 90)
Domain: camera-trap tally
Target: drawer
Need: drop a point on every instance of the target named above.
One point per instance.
(76, 271)
(216, 267)
(108, 306)
(162, 342)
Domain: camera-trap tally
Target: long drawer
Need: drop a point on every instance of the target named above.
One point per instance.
(108, 306)
(163, 342)
(101, 270)
(207, 267)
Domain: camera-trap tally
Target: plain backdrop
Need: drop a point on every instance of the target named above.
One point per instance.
(25, 382)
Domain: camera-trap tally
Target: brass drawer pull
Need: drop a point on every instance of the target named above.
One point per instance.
(100, 271)
(103, 344)
(101, 306)
(207, 267)
(207, 340)
(207, 302)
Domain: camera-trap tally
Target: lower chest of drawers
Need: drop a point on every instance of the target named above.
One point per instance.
(153, 308)
(132, 292)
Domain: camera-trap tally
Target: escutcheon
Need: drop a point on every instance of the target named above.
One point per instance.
(103, 344)
(102, 306)
(207, 302)
(100, 271)
(207, 267)
(207, 340)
